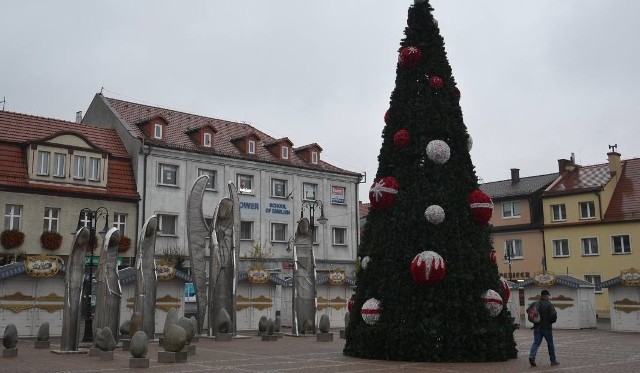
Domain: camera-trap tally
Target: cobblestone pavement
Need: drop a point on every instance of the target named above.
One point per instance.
(593, 350)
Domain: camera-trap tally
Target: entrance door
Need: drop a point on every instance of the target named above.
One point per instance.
(253, 302)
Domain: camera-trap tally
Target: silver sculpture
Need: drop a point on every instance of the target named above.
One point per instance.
(144, 304)
(73, 291)
(108, 291)
(225, 240)
(197, 232)
(304, 280)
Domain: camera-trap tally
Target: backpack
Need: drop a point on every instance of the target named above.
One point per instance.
(534, 314)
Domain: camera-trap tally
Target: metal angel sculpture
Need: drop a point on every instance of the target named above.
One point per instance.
(144, 304)
(108, 291)
(304, 281)
(73, 292)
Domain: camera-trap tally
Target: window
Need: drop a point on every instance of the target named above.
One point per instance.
(120, 222)
(587, 210)
(51, 216)
(510, 210)
(43, 163)
(78, 167)
(85, 219)
(278, 188)
(167, 224)
(246, 230)
(339, 236)
(59, 163)
(558, 213)
(513, 248)
(211, 184)
(94, 169)
(251, 147)
(590, 246)
(157, 131)
(561, 247)
(278, 232)
(245, 183)
(337, 195)
(309, 191)
(167, 174)
(621, 244)
(12, 216)
(207, 140)
(596, 280)
(285, 152)
(314, 157)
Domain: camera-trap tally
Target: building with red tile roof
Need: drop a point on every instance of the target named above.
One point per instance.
(277, 181)
(50, 169)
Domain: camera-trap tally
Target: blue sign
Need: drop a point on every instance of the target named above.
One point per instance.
(277, 208)
(250, 205)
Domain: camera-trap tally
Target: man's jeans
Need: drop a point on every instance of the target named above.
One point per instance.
(537, 340)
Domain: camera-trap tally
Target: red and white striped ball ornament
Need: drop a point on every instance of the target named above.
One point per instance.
(428, 268)
(409, 57)
(493, 301)
(506, 290)
(481, 206)
(383, 192)
(371, 310)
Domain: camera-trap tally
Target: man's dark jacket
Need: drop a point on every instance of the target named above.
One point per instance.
(548, 314)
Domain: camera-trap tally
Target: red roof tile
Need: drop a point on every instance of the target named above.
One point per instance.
(179, 123)
(580, 179)
(625, 202)
(18, 130)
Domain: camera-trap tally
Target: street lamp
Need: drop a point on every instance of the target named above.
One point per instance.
(312, 205)
(508, 254)
(89, 218)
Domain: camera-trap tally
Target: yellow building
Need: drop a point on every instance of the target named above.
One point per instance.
(592, 220)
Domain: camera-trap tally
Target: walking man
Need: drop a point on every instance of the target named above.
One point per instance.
(548, 316)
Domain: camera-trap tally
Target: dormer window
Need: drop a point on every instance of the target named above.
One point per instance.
(207, 140)
(314, 157)
(94, 169)
(157, 132)
(78, 167)
(251, 147)
(43, 163)
(285, 152)
(59, 164)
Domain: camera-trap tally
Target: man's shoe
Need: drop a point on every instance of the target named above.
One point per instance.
(532, 361)
(554, 363)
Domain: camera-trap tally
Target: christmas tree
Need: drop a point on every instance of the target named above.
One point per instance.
(428, 287)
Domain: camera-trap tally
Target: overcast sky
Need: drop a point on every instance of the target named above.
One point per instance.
(539, 79)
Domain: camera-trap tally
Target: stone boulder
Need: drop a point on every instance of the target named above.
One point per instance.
(324, 324)
(277, 323)
(188, 327)
(175, 338)
(270, 327)
(124, 328)
(10, 338)
(43, 332)
(224, 322)
(262, 324)
(104, 339)
(135, 324)
(172, 319)
(194, 322)
(139, 346)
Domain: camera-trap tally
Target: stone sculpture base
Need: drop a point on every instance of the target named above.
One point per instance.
(269, 338)
(190, 349)
(224, 337)
(41, 344)
(126, 344)
(94, 352)
(106, 355)
(138, 362)
(343, 334)
(324, 337)
(172, 357)
(10, 352)
(76, 352)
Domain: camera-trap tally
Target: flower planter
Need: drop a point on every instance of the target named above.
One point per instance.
(11, 238)
(51, 240)
(125, 244)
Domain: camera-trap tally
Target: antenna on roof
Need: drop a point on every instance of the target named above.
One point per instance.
(613, 147)
(4, 100)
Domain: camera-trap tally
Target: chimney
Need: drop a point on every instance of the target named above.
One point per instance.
(563, 165)
(78, 116)
(615, 166)
(515, 175)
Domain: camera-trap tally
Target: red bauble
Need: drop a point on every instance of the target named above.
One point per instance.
(401, 138)
(383, 193)
(492, 257)
(387, 116)
(436, 82)
(481, 206)
(409, 57)
(506, 290)
(427, 268)
(350, 305)
(457, 92)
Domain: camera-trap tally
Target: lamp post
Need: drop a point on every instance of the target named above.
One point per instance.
(312, 205)
(89, 218)
(507, 256)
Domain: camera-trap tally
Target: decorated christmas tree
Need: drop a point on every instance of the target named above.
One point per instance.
(428, 287)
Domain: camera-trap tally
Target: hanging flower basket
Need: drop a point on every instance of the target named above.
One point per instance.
(125, 244)
(11, 238)
(51, 240)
